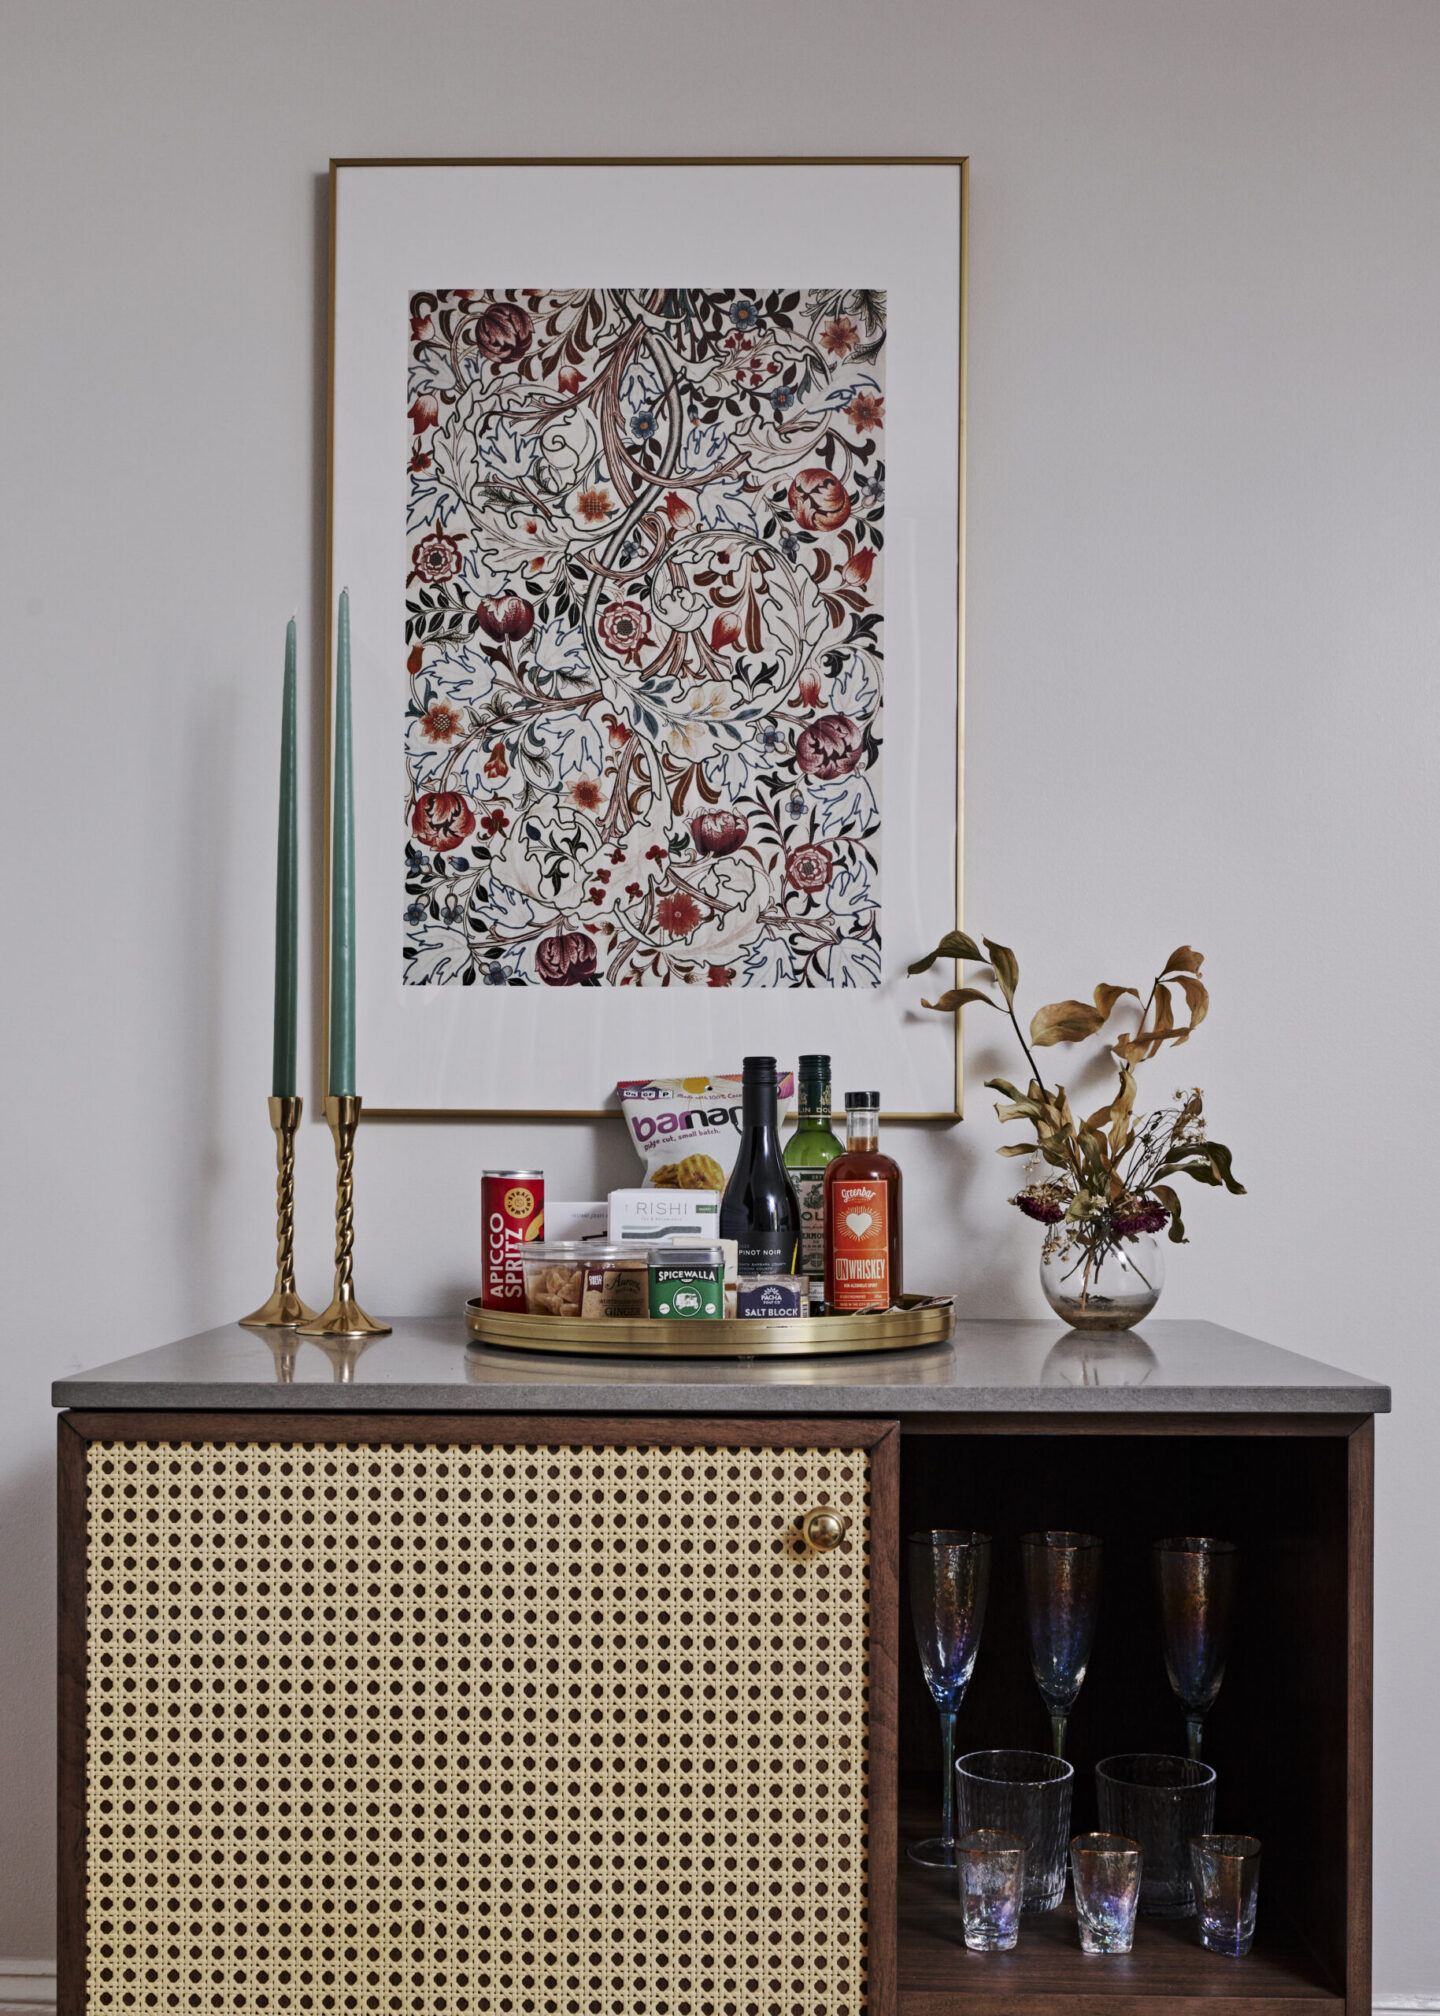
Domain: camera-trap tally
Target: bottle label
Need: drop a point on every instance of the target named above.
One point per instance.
(766, 1252)
(860, 1244)
(810, 1189)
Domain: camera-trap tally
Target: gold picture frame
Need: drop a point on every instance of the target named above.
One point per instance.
(960, 164)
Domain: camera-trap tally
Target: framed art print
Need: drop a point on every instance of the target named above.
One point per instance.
(646, 487)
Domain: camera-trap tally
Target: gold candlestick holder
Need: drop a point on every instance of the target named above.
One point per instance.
(344, 1317)
(284, 1308)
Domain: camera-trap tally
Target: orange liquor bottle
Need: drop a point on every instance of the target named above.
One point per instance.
(862, 1216)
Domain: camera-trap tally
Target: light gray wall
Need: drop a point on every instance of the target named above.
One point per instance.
(1204, 528)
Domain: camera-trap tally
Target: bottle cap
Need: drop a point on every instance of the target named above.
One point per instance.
(759, 1067)
(814, 1067)
(862, 1102)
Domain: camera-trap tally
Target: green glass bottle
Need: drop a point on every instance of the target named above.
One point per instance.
(808, 1153)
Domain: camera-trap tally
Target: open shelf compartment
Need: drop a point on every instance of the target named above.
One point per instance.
(1277, 1735)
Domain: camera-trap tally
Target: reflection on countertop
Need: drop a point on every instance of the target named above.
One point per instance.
(1098, 1358)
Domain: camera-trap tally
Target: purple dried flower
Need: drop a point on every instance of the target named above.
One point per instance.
(1137, 1215)
(1036, 1204)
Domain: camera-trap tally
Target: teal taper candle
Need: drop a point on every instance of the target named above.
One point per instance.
(342, 873)
(287, 893)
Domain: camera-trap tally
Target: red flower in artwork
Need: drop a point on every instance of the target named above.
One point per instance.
(810, 687)
(494, 822)
(505, 618)
(566, 959)
(858, 568)
(819, 501)
(809, 868)
(570, 380)
(866, 412)
(415, 660)
(718, 832)
(420, 463)
(839, 336)
(677, 914)
(597, 895)
(624, 629)
(441, 722)
(441, 820)
(718, 976)
(435, 559)
(503, 333)
(656, 854)
(830, 747)
(495, 764)
(585, 793)
(424, 413)
(680, 511)
(724, 631)
(633, 889)
(421, 328)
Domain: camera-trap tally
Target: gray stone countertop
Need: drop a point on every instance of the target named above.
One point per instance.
(427, 1365)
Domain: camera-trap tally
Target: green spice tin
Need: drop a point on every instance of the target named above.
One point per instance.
(687, 1280)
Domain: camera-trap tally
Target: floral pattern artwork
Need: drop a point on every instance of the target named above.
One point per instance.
(644, 602)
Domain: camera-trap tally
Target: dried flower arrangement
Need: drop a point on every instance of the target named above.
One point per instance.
(1113, 1168)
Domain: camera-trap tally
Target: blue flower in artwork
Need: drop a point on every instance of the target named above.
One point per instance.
(744, 314)
(796, 806)
(782, 398)
(415, 913)
(873, 488)
(770, 738)
(789, 545)
(645, 424)
(494, 976)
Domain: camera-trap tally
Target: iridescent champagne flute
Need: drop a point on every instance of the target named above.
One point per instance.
(1196, 1579)
(1062, 1602)
(949, 1581)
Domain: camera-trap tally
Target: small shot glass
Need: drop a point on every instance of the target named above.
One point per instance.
(1226, 1869)
(1106, 1869)
(991, 1869)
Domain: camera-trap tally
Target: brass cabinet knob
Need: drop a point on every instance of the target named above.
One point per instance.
(824, 1528)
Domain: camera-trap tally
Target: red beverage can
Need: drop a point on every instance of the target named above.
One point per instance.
(512, 1210)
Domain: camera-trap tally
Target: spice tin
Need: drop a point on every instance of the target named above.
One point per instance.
(687, 1279)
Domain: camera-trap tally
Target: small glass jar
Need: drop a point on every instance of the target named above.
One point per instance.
(555, 1277)
(617, 1281)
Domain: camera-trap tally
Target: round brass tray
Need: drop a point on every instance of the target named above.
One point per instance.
(920, 1319)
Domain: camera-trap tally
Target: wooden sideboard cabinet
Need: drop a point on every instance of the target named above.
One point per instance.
(426, 1681)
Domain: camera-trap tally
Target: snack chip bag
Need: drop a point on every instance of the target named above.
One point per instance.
(687, 1130)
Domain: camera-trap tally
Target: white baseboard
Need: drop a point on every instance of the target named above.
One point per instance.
(27, 1987)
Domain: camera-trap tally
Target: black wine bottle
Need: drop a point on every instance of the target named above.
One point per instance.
(760, 1210)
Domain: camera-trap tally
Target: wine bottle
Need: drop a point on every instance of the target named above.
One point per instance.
(809, 1150)
(862, 1216)
(760, 1210)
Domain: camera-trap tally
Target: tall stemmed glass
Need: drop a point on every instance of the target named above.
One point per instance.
(1062, 1602)
(949, 1581)
(1196, 1581)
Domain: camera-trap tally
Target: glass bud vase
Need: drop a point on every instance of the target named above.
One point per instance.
(1109, 1286)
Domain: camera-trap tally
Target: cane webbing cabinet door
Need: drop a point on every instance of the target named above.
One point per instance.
(459, 1716)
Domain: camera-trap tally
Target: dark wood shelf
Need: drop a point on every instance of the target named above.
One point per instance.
(1168, 1973)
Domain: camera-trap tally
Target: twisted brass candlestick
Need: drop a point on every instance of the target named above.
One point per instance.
(344, 1317)
(284, 1309)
